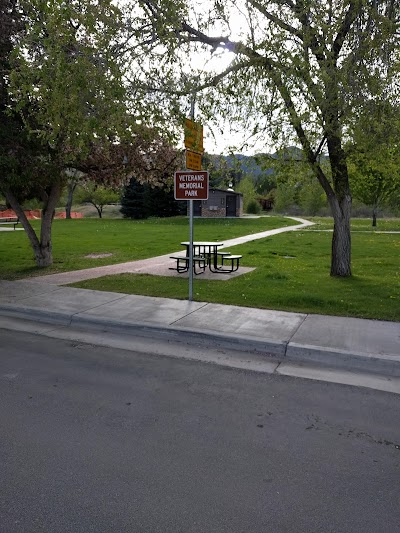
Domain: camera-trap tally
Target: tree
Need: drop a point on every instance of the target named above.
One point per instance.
(296, 183)
(266, 181)
(61, 95)
(98, 196)
(141, 200)
(300, 68)
(284, 197)
(311, 198)
(161, 201)
(222, 170)
(246, 186)
(374, 156)
(74, 178)
(21, 155)
(133, 201)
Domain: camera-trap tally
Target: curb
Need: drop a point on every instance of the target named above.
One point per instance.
(386, 364)
(382, 364)
(183, 335)
(36, 315)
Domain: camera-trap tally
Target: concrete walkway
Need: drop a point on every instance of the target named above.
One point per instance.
(160, 266)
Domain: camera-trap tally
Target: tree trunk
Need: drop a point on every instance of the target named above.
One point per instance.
(42, 248)
(68, 206)
(45, 258)
(99, 210)
(341, 241)
(340, 204)
(44, 255)
(374, 217)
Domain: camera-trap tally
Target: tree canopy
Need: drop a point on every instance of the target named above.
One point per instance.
(374, 156)
(64, 106)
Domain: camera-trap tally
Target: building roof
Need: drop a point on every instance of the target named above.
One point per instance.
(225, 190)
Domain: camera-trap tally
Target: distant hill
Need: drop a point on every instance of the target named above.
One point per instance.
(232, 168)
(248, 164)
(239, 165)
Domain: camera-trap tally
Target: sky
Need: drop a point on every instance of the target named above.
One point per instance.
(214, 141)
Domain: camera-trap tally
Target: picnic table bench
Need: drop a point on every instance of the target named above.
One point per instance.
(182, 263)
(206, 254)
(9, 220)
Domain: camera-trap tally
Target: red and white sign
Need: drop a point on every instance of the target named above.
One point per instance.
(191, 185)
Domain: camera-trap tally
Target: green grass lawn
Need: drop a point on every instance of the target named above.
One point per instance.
(292, 274)
(291, 269)
(357, 224)
(126, 240)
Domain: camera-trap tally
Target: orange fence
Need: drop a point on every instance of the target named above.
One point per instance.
(36, 213)
(74, 214)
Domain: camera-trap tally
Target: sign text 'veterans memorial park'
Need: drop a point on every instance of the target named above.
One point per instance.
(191, 185)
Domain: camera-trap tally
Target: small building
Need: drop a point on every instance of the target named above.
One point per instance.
(220, 203)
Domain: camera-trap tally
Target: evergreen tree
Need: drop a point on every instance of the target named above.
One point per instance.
(162, 203)
(134, 200)
(143, 201)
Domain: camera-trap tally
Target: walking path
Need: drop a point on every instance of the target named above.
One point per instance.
(160, 266)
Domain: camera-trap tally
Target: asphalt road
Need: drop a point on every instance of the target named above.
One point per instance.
(103, 440)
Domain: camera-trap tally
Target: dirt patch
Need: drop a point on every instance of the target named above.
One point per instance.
(97, 256)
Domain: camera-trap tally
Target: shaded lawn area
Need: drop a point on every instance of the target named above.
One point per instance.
(292, 274)
(126, 240)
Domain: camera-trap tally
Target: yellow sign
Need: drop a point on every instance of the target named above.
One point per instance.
(193, 160)
(193, 136)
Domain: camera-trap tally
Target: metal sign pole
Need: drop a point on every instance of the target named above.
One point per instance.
(191, 224)
(190, 250)
(190, 184)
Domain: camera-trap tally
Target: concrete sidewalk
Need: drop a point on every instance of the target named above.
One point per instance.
(344, 343)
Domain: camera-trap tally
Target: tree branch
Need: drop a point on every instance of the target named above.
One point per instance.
(305, 143)
(313, 41)
(276, 20)
(352, 13)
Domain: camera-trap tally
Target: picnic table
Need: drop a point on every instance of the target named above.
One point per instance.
(9, 220)
(207, 254)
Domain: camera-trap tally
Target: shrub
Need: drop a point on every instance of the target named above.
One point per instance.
(253, 207)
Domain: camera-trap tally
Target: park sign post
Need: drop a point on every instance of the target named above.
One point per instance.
(191, 185)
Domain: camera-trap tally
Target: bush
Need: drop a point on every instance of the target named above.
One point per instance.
(253, 207)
